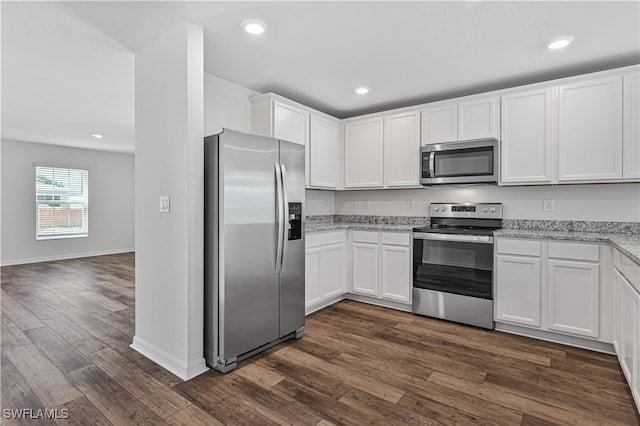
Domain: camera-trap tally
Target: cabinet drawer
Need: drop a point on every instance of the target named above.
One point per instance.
(324, 238)
(365, 237)
(395, 238)
(590, 252)
(628, 268)
(518, 246)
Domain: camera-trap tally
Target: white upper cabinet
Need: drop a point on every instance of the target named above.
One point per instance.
(528, 137)
(290, 123)
(323, 152)
(277, 117)
(363, 153)
(590, 130)
(402, 149)
(631, 129)
(478, 119)
(471, 118)
(440, 124)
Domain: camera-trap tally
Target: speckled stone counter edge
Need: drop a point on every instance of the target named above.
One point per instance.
(632, 228)
(625, 236)
(572, 226)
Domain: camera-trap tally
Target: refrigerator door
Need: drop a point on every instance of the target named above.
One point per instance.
(292, 275)
(248, 282)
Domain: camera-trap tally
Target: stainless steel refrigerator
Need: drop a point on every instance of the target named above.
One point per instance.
(254, 245)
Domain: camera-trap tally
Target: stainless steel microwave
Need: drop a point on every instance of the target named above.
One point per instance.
(460, 162)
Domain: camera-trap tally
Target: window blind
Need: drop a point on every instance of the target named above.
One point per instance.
(62, 202)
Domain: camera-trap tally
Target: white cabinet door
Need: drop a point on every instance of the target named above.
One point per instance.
(518, 290)
(617, 312)
(365, 268)
(631, 130)
(395, 273)
(528, 137)
(323, 152)
(363, 149)
(440, 124)
(334, 270)
(402, 149)
(292, 124)
(630, 308)
(590, 130)
(573, 300)
(635, 383)
(312, 276)
(477, 119)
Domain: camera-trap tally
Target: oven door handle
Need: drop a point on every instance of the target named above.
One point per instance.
(482, 239)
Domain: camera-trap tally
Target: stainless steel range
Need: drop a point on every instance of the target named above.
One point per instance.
(453, 263)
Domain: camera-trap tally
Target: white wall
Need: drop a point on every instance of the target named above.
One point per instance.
(169, 161)
(604, 202)
(319, 202)
(111, 199)
(226, 104)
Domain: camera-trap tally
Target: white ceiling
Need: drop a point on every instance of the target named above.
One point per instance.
(67, 67)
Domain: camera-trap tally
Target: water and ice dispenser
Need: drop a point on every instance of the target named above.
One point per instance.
(295, 221)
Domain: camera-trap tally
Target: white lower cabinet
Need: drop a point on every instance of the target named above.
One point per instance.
(552, 286)
(365, 268)
(627, 320)
(518, 295)
(395, 272)
(326, 268)
(382, 265)
(573, 293)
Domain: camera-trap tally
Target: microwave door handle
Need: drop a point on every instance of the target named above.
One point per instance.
(432, 164)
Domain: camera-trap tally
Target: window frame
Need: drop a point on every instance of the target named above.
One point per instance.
(74, 196)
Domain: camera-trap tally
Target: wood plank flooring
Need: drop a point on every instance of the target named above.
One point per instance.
(66, 327)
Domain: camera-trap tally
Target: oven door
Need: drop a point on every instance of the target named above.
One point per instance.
(453, 263)
(460, 162)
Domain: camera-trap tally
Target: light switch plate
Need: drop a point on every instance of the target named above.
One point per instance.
(165, 204)
(547, 205)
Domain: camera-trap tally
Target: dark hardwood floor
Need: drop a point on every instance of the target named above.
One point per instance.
(67, 326)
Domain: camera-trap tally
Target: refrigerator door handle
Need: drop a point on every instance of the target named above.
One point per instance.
(279, 218)
(286, 223)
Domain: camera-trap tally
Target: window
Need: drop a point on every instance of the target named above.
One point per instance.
(62, 203)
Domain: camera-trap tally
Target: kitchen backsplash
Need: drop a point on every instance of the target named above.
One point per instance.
(603, 202)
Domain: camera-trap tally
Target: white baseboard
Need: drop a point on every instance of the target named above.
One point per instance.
(178, 367)
(358, 298)
(577, 342)
(11, 262)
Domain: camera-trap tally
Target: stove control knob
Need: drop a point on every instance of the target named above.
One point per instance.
(485, 209)
(493, 209)
(436, 208)
(444, 208)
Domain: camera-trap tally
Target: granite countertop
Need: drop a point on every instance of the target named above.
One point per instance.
(358, 226)
(628, 244)
(625, 236)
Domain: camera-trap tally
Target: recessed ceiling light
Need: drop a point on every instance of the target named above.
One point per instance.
(560, 42)
(254, 26)
(97, 136)
(362, 90)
